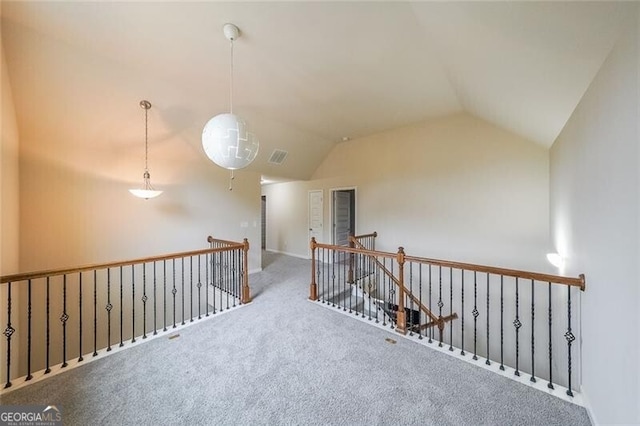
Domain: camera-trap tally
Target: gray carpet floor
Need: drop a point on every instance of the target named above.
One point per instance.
(283, 360)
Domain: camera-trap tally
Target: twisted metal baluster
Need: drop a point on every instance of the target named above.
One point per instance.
(80, 358)
(144, 300)
(550, 384)
(502, 322)
(8, 332)
(63, 318)
(133, 305)
(121, 307)
(462, 319)
(108, 308)
(29, 376)
(533, 314)
(475, 316)
(95, 316)
(517, 324)
(570, 338)
(487, 362)
(451, 309)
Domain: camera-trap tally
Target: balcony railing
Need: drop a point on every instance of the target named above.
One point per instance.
(55, 316)
(520, 323)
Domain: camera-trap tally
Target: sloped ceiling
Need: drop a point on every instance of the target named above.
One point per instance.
(306, 74)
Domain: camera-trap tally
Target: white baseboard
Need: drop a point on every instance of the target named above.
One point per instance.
(586, 403)
(254, 270)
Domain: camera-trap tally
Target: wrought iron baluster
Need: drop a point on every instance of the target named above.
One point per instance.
(550, 384)
(174, 292)
(108, 308)
(221, 277)
(191, 286)
(421, 304)
(155, 300)
(487, 362)
(517, 324)
(121, 307)
(333, 279)
(440, 304)
(392, 294)
(365, 273)
(182, 291)
(430, 307)
(95, 316)
(29, 376)
(475, 316)
(383, 284)
(144, 300)
(80, 317)
(8, 332)
(48, 332)
(410, 319)
(236, 268)
(209, 277)
(502, 322)
(451, 309)
(570, 338)
(462, 314)
(533, 314)
(199, 286)
(164, 294)
(63, 318)
(133, 304)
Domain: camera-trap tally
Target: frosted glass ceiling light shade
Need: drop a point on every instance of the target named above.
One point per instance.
(147, 191)
(228, 143)
(226, 138)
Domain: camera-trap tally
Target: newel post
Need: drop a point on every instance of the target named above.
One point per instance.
(401, 316)
(313, 287)
(246, 291)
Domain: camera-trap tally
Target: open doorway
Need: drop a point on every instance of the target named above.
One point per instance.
(343, 215)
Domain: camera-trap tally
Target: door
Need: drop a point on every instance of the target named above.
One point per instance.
(343, 216)
(315, 216)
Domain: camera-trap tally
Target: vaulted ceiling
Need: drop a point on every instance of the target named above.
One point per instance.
(307, 74)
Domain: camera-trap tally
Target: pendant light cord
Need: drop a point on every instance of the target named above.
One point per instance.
(231, 80)
(146, 138)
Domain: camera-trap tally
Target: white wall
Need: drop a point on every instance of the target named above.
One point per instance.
(594, 220)
(455, 187)
(71, 217)
(9, 202)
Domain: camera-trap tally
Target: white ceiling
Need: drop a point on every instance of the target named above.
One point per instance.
(306, 74)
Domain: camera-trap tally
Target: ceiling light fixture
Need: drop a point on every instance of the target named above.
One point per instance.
(226, 138)
(147, 191)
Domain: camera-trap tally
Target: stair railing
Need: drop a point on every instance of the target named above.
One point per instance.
(507, 317)
(55, 316)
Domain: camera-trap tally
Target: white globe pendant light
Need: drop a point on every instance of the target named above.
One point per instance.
(226, 138)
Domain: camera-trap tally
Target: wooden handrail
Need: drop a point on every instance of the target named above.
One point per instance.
(374, 234)
(210, 239)
(579, 282)
(62, 271)
(515, 273)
